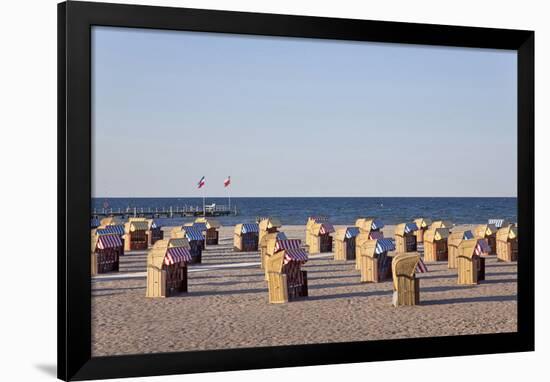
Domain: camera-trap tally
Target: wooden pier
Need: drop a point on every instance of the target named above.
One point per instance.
(166, 212)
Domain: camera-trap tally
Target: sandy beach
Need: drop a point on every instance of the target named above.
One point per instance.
(227, 305)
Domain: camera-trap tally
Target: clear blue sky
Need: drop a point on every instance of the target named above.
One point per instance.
(298, 117)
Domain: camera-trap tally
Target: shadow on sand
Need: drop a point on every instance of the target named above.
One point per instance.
(462, 300)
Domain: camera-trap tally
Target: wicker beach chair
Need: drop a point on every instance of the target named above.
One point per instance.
(105, 253)
(320, 239)
(406, 288)
(245, 237)
(470, 263)
(376, 261)
(268, 225)
(211, 232)
(154, 233)
(453, 241)
(285, 279)
(423, 224)
(167, 268)
(369, 229)
(135, 234)
(311, 220)
(344, 243)
(507, 243)
(489, 233)
(435, 244)
(405, 237)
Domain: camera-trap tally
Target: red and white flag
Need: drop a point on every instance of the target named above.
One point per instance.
(202, 182)
(227, 181)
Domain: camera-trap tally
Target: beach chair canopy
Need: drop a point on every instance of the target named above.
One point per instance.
(177, 255)
(456, 237)
(369, 224)
(166, 252)
(321, 229)
(136, 225)
(137, 219)
(287, 244)
(405, 228)
(346, 233)
(108, 241)
(441, 224)
(404, 264)
(484, 230)
(471, 247)
(436, 234)
(110, 230)
(499, 223)
(295, 254)
(507, 233)
(351, 232)
(422, 223)
(384, 245)
(250, 227)
(268, 223)
(192, 233)
(243, 228)
(178, 242)
(210, 223)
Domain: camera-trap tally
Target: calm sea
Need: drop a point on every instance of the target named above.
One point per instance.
(342, 210)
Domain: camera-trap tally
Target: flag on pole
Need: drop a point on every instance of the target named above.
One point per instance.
(201, 182)
(227, 181)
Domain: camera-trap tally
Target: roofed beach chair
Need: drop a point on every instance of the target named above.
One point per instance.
(489, 233)
(210, 227)
(507, 243)
(268, 225)
(435, 244)
(376, 261)
(311, 220)
(441, 224)
(106, 250)
(470, 263)
(245, 237)
(369, 229)
(423, 224)
(135, 234)
(320, 239)
(344, 243)
(167, 267)
(405, 237)
(155, 232)
(263, 245)
(195, 237)
(453, 241)
(285, 279)
(406, 288)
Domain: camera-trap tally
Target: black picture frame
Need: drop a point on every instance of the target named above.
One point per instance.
(74, 189)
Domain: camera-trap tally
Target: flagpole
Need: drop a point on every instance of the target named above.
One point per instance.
(204, 202)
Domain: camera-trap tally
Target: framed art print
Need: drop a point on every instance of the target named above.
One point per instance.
(244, 190)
